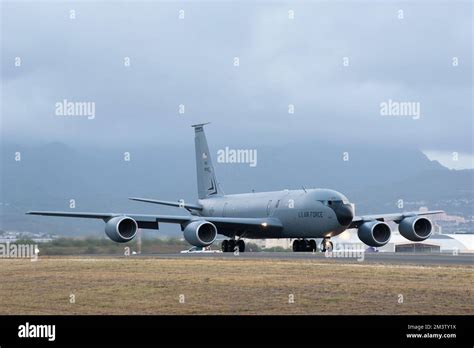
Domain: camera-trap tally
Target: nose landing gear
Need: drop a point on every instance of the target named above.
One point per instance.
(326, 245)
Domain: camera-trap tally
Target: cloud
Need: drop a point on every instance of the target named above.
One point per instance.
(282, 62)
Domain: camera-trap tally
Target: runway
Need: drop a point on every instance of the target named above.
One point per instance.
(373, 258)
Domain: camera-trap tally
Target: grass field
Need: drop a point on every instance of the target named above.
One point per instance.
(67, 285)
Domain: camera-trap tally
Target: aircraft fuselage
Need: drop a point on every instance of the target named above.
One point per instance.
(310, 213)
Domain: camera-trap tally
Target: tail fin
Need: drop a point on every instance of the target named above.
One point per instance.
(206, 179)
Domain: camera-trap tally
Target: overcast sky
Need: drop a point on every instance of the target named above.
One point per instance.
(282, 61)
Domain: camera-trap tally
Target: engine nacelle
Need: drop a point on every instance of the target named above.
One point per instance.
(200, 233)
(374, 233)
(121, 229)
(415, 228)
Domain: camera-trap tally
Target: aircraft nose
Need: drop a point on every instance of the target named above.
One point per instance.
(344, 214)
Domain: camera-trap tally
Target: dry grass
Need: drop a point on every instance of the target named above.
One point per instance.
(229, 286)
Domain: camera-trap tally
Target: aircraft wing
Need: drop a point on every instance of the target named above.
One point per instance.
(143, 221)
(396, 217)
(151, 221)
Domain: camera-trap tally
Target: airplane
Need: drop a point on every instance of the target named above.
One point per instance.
(302, 215)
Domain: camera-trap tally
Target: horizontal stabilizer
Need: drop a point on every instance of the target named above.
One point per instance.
(169, 203)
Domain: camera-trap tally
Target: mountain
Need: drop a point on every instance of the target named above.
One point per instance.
(49, 176)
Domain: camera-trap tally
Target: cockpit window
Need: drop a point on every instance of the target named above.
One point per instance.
(332, 202)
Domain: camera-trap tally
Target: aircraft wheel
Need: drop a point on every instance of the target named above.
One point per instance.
(241, 245)
(323, 246)
(326, 245)
(231, 246)
(312, 245)
(296, 245)
(224, 246)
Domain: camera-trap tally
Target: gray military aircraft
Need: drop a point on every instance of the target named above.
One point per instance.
(302, 215)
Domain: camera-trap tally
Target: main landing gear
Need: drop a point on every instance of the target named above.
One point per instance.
(304, 245)
(230, 245)
(310, 245)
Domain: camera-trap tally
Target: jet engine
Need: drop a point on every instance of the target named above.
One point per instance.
(374, 233)
(415, 228)
(121, 229)
(200, 233)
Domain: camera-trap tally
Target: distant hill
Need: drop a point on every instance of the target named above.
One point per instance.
(49, 176)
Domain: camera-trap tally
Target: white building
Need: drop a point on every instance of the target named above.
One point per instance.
(436, 243)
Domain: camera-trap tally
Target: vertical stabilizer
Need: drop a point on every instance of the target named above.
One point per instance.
(206, 178)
